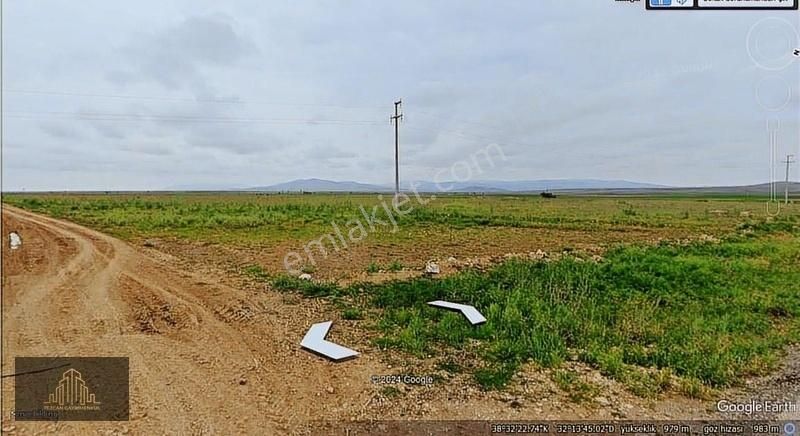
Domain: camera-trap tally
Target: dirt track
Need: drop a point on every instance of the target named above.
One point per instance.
(200, 362)
(209, 358)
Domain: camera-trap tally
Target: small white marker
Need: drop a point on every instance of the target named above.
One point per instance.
(14, 240)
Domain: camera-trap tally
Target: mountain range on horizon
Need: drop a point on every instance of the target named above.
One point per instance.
(576, 186)
(487, 186)
(565, 186)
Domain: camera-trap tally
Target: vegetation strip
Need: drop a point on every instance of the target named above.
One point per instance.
(695, 316)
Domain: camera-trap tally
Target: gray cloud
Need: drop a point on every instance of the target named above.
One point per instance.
(59, 129)
(146, 95)
(176, 56)
(109, 130)
(245, 140)
(329, 152)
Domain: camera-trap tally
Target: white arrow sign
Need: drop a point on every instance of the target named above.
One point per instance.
(472, 314)
(314, 341)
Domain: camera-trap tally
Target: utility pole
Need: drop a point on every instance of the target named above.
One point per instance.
(789, 160)
(396, 120)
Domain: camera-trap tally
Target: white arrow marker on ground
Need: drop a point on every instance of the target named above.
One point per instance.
(472, 314)
(314, 341)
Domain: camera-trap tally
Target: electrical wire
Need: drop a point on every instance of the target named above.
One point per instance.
(100, 116)
(180, 99)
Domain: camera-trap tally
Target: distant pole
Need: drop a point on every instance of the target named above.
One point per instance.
(773, 156)
(396, 120)
(789, 160)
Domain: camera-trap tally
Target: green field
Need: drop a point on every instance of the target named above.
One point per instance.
(254, 217)
(702, 315)
(689, 315)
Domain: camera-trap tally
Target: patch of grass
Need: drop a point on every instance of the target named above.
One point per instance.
(308, 288)
(494, 377)
(395, 266)
(391, 392)
(703, 311)
(450, 365)
(783, 223)
(646, 384)
(694, 388)
(578, 390)
(411, 334)
(564, 379)
(257, 272)
(375, 267)
(352, 313)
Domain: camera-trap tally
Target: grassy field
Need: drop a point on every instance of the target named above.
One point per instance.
(676, 315)
(253, 217)
(691, 317)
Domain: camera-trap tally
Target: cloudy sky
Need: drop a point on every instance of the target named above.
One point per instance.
(160, 94)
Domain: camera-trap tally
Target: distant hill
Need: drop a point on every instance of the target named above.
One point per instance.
(565, 186)
(202, 187)
(762, 188)
(759, 189)
(528, 185)
(487, 186)
(320, 185)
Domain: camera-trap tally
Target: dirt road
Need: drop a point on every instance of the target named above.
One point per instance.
(205, 358)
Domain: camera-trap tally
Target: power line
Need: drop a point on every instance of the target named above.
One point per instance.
(178, 99)
(235, 101)
(223, 101)
(101, 116)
